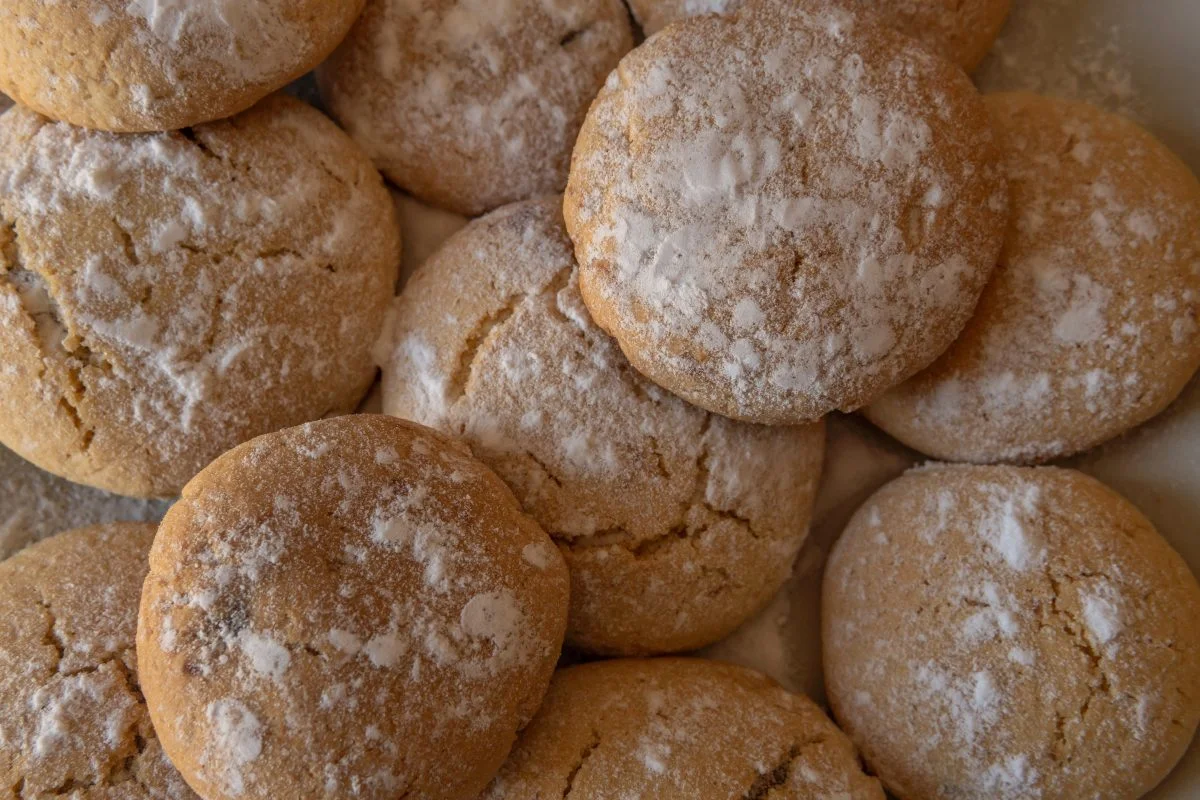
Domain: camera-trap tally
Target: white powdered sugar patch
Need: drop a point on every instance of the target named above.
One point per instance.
(496, 616)
(264, 654)
(1007, 526)
(1102, 613)
(234, 743)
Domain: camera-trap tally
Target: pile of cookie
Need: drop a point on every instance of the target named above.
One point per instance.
(603, 403)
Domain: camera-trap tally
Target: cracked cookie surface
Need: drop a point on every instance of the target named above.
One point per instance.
(1007, 632)
(164, 297)
(679, 729)
(73, 722)
(471, 104)
(490, 342)
(354, 608)
(162, 64)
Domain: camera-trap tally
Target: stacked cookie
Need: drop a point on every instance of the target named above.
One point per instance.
(603, 403)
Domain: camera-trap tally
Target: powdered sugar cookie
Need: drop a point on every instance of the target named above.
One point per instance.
(35, 505)
(780, 213)
(962, 31)
(164, 297)
(1089, 326)
(333, 609)
(1008, 632)
(679, 729)
(153, 65)
(491, 342)
(471, 104)
(71, 712)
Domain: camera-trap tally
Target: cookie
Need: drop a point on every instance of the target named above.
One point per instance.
(1089, 325)
(71, 712)
(35, 505)
(1011, 632)
(334, 608)
(962, 31)
(780, 213)
(679, 729)
(148, 65)
(471, 105)
(677, 524)
(164, 297)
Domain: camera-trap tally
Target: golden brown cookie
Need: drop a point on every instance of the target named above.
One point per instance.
(679, 729)
(962, 31)
(423, 229)
(1089, 325)
(156, 65)
(677, 524)
(71, 711)
(1009, 632)
(471, 104)
(164, 297)
(353, 607)
(782, 212)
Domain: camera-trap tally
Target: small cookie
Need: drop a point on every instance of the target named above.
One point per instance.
(71, 712)
(491, 342)
(35, 505)
(1009, 632)
(471, 105)
(148, 65)
(164, 297)
(780, 213)
(1089, 325)
(333, 609)
(962, 31)
(679, 729)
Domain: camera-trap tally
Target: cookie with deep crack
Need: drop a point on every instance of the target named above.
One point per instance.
(155, 66)
(962, 31)
(164, 297)
(1009, 632)
(471, 105)
(334, 608)
(679, 729)
(1090, 324)
(677, 524)
(784, 211)
(71, 710)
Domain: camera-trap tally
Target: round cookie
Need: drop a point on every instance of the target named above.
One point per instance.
(148, 65)
(780, 213)
(679, 729)
(1089, 325)
(962, 31)
(1010, 632)
(71, 712)
(471, 104)
(164, 297)
(35, 505)
(491, 342)
(334, 608)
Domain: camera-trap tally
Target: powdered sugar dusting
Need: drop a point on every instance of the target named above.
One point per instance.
(235, 743)
(817, 232)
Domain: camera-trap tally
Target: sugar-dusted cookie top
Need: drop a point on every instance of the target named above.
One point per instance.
(1089, 324)
(350, 608)
(677, 524)
(155, 65)
(164, 297)
(784, 211)
(1010, 632)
